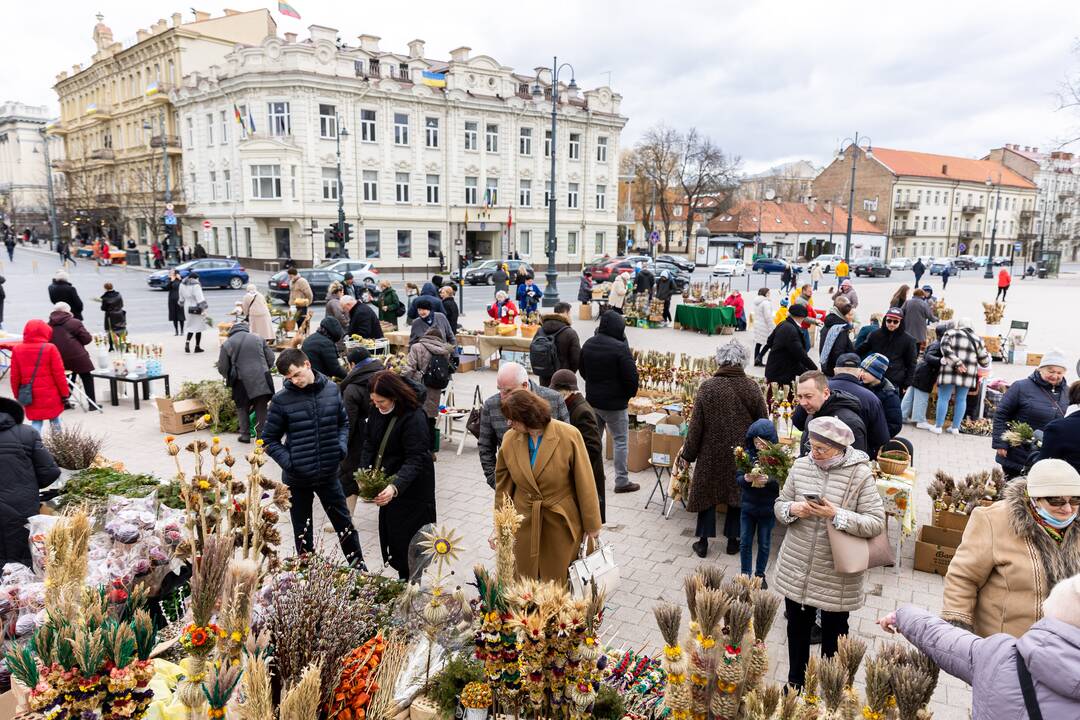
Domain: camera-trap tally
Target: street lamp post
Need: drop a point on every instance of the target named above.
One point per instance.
(856, 144)
(993, 231)
(49, 187)
(173, 255)
(551, 290)
(341, 132)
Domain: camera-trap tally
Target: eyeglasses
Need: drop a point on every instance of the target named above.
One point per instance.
(892, 321)
(1060, 501)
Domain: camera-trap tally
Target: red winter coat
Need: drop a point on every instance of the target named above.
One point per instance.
(50, 385)
(736, 301)
(1004, 279)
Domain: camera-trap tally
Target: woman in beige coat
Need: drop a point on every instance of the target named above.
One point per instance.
(812, 496)
(1014, 552)
(544, 468)
(253, 307)
(617, 294)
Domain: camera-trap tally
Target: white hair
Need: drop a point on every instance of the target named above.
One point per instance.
(964, 323)
(734, 353)
(514, 372)
(62, 306)
(60, 275)
(501, 295)
(251, 287)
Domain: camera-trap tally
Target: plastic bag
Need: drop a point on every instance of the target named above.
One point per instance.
(126, 519)
(417, 670)
(39, 526)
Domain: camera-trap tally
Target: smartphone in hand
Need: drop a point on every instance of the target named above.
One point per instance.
(812, 498)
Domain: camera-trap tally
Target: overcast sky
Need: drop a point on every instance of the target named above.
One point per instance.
(770, 81)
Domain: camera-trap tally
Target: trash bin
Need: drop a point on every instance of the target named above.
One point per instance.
(132, 257)
(1042, 273)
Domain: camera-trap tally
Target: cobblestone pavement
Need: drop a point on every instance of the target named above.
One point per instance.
(654, 552)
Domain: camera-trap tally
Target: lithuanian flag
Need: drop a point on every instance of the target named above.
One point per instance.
(433, 79)
(286, 9)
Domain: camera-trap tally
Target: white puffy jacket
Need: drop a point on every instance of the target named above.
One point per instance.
(763, 319)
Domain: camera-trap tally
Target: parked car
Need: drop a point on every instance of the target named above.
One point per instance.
(480, 273)
(729, 267)
(938, 266)
(870, 267)
(901, 263)
(344, 265)
(772, 265)
(827, 262)
(116, 254)
(1003, 260)
(683, 263)
(212, 272)
(603, 273)
(680, 276)
(965, 262)
(319, 279)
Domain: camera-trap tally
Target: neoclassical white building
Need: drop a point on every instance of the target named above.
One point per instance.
(24, 199)
(416, 160)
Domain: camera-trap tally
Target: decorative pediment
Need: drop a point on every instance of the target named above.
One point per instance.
(432, 167)
(471, 169)
(493, 171)
(371, 162)
(602, 179)
(403, 165)
(261, 144)
(328, 159)
(526, 173)
(574, 176)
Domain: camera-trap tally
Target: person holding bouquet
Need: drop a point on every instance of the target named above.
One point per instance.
(759, 493)
(503, 309)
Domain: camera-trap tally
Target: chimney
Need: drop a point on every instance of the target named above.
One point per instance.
(177, 19)
(200, 15)
(944, 169)
(229, 12)
(460, 54)
(212, 73)
(416, 49)
(369, 43)
(141, 35)
(1035, 149)
(290, 37)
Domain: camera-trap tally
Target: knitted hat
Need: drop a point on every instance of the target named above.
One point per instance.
(848, 360)
(60, 275)
(564, 380)
(832, 431)
(1053, 478)
(797, 310)
(895, 312)
(876, 364)
(845, 284)
(1054, 357)
(1063, 602)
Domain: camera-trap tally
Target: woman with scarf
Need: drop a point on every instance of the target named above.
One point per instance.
(835, 335)
(426, 319)
(1014, 551)
(1036, 400)
(813, 496)
(503, 309)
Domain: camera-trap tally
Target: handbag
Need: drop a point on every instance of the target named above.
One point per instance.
(598, 569)
(26, 390)
(853, 555)
(472, 424)
(1027, 689)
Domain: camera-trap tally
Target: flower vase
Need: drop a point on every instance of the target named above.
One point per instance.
(119, 366)
(102, 357)
(153, 367)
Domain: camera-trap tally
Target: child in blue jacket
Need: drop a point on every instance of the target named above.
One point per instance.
(757, 518)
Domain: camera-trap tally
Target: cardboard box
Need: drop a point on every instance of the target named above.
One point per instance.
(177, 417)
(949, 520)
(585, 311)
(638, 452)
(665, 444)
(468, 363)
(1033, 359)
(935, 548)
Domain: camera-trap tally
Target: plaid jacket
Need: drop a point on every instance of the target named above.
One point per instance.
(966, 348)
(493, 425)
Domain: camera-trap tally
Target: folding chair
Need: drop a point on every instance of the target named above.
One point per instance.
(79, 397)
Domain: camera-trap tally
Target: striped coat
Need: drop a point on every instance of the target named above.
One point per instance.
(962, 347)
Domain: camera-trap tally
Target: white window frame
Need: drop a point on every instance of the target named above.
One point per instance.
(524, 193)
(525, 242)
(432, 189)
(407, 234)
(491, 137)
(269, 173)
(573, 146)
(572, 196)
(601, 241)
(401, 187)
(367, 125)
(190, 123)
(548, 188)
(601, 197)
(224, 127)
(371, 185)
(328, 122)
(367, 244)
(227, 181)
(572, 242)
(471, 185)
(471, 131)
(329, 184)
(213, 186)
(601, 148)
(278, 120)
(431, 132)
(401, 129)
(243, 122)
(491, 191)
(209, 129)
(547, 143)
(525, 141)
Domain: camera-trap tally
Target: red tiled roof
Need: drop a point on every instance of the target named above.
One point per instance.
(787, 217)
(948, 167)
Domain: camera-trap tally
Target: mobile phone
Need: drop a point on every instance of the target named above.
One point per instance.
(813, 498)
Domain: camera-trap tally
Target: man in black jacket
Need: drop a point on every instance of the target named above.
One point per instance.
(611, 379)
(583, 417)
(61, 290)
(364, 322)
(835, 335)
(28, 467)
(321, 348)
(817, 400)
(901, 349)
(307, 434)
(787, 353)
(556, 325)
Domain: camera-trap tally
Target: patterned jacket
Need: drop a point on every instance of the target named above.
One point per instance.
(962, 347)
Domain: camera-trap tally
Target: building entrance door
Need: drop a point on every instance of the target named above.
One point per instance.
(282, 242)
(482, 244)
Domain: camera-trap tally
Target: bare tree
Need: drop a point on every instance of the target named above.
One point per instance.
(639, 193)
(1069, 97)
(707, 176)
(658, 162)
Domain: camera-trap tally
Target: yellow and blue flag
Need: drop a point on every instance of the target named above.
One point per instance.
(433, 79)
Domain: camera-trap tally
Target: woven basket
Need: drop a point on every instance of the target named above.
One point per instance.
(727, 330)
(491, 327)
(529, 330)
(891, 466)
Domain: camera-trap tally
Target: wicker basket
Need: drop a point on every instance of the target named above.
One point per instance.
(529, 330)
(491, 327)
(892, 466)
(727, 330)
(504, 330)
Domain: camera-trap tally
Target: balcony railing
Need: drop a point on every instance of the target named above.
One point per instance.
(904, 232)
(103, 154)
(173, 141)
(62, 165)
(1026, 236)
(98, 112)
(970, 234)
(1062, 214)
(905, 205)
(1027, 214)
(1066, 194)
(972, 209)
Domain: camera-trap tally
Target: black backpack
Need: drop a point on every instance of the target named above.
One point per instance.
(437, 374)
(544, 353)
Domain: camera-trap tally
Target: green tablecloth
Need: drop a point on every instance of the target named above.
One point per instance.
(699, 317)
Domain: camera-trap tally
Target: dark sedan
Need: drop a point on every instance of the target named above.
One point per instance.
(772, 265)
(680, 276)
(212, 272)
(870, 267)
(682, 263)
(320, 281)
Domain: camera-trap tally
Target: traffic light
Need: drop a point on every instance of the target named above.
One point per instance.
(348, 233)
(335, 231)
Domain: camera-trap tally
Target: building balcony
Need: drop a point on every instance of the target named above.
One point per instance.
(103, 154)
(970, 234)
(58, 128)
(1066, 194)
(159, 92)
(904, 232)
(62, 166)
(1027, 214)
(170, 142)
(105, 199)
(98, 113)
(1063, 214)
(1026, 236)
(972, 209)
(905, 205)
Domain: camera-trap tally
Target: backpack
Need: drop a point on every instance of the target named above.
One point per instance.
(437, 374)
(544, 353)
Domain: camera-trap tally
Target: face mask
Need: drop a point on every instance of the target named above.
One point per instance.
(829, 463)
(1050, 519)
(387, 411)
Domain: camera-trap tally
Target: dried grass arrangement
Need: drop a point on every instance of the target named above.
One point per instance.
(963, 496)
(72, 447)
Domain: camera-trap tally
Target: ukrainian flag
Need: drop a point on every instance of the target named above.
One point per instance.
(433, 79)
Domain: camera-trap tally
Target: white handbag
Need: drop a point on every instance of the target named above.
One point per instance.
(597, 568)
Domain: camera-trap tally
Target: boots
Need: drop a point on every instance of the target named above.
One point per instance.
(187, 346)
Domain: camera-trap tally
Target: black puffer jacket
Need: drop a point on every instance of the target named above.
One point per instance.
(610, 373)
(841, 342)
(452, 312)
(1033, 401)
(354, 393)
(115, 315)
(929, 367)
(901, 349)
(787, 354)
(841, 406)
(364, 322)
(63, 291)
(307, 430)
(321, 348)
(28, 467)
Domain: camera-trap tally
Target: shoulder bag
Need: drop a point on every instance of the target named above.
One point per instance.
(853, 555)
(26, 390)
(598, 569)
(1027, 688)
(382, 445)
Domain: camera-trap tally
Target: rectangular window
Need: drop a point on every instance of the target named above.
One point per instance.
(213, 186)
(574, 147)
(491, 138)
(209, 129)
(572, 195)
(371, 186)
(434, 243)
(292, 181)
(404, 243)
(601, 149)
(190, 131)
(571, 242)
(244, 120)
(547, 143)
(470, 191)
(601, 197)
(547, 193)
(247, 242)
(470, 135)
(224, 127)
(329, 184)
(367, 126)
(401, 129)
(525, 242)
(265, 182)
(433, 189)
(491, 192)
(327, 122)
(227, 181)
(525, 141)
(431, 132)
(230, 250)
(401, 187)
(525, 193)
(599, 249)
(194, 194)
(371, 243)
(278, 119)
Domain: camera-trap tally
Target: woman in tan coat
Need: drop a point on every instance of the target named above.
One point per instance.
(544, 469)
(253, 306)
(1014, 552)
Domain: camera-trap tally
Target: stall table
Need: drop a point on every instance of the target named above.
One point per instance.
(707, 319)
(136, 381)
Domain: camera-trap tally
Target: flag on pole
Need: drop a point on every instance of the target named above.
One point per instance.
(239, 117)
(433, 79)
(286, 9)
(509, 219)
(250, 122)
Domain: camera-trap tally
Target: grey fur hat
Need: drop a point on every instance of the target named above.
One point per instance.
(734, 353)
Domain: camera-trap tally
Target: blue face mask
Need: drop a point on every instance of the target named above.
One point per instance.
(1051, 520)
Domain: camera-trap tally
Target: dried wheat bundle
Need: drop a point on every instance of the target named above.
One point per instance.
(393, 660)
(67, 548)
(301, 701)
(851, 651)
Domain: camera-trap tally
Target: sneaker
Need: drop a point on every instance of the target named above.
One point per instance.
(628, 488)
(935, 429)
(953, 431)
(924, 426)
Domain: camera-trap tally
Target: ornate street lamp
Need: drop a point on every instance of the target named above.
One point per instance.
(856, 143)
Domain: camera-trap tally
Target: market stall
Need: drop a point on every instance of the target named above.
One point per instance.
(704, 318)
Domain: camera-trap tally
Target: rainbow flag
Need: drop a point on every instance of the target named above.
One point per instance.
(286, 9)
(433, 79)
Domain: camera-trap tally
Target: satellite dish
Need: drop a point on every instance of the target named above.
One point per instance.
(770, 194)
